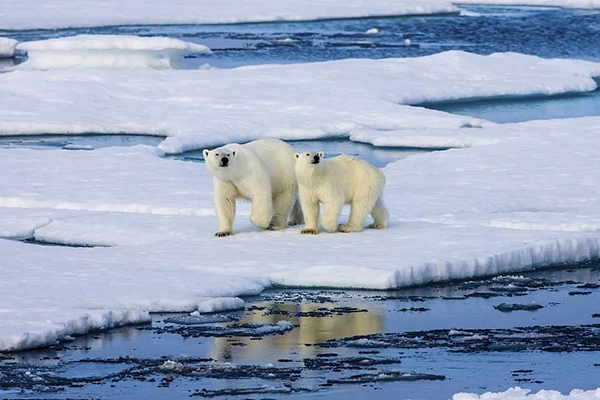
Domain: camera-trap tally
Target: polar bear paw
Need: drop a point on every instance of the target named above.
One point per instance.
(223, 233)
(377, 226)
(309, 231)
(348, 228)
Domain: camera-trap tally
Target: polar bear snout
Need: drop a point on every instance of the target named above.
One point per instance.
(224, 162)
(315, 159)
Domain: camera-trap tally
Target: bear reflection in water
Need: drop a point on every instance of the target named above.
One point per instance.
(316, 322)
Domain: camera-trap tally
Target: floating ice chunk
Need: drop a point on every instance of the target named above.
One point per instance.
(220, 304)
(372, 31)
(407, 42)
(7, 47)
(517, 393)
(287, 41)
(171, 366)
(108, 51)
(73, 146)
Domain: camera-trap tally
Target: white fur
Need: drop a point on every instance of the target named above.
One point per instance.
(335, 182)
(262, 172)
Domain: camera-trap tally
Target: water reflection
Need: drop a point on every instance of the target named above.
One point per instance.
(311, 329)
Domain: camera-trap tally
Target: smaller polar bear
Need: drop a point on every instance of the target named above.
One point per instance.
(335, 182)
(261, 171)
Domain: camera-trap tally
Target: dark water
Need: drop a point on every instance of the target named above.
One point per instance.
(459, 331)
(546, 32)
(520, 110)
(378, 156)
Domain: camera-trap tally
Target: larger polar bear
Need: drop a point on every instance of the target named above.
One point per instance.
(262, 172)
(335, 182)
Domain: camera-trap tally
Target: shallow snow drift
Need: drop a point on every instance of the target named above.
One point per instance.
(526, 200)
(57, 14)
(517, 393)
(348, 98)
(108, 51)
(7, 47)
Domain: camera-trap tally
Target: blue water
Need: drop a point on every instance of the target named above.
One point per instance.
(378, 156)
(546, 32)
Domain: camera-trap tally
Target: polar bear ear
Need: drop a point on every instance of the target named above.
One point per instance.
(297, 155)
(205, 152)
(321, 154)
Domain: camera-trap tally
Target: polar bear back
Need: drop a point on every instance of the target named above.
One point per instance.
(276, 158)
(353, 176)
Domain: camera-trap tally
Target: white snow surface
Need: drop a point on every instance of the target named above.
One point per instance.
(7, 47)
(108, 51)
(525, 199)
(517, 393)
(57, 14)
(366, 100)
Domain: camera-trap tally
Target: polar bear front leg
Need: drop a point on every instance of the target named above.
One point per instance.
(262, 210)
(225, 194)
(310, 209)
(331, 214)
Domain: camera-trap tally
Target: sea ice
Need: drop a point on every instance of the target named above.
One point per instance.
(7, 47)
(517, 393)
(58, 14)
(366, 100)
(108, 51)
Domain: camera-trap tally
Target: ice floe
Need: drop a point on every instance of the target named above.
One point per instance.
(517, 393)
(348, 98)
(156, 217)
(108, 51)
(57, 14)
(582, 4)
(7, 47)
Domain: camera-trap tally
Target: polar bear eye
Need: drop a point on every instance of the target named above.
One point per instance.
(307, 154)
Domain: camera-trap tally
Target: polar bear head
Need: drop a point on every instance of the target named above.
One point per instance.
(221, 162)
(310, 159)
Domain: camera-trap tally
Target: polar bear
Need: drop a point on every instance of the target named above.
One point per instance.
(262, 172)
(335, 182)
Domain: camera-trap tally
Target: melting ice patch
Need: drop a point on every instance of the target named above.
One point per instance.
(108, 51)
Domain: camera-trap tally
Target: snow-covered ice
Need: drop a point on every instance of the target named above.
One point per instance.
(457, 214)
(57, 14)
(7, 47)
(108, 51)
(348, 98)
(517, 393)
(582, 4)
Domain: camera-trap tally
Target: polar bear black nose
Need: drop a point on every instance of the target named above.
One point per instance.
(224, 161)
(316, 158)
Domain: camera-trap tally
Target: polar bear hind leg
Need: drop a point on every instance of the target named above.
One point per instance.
(380, 215)
(359, 210)
(296, 216)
